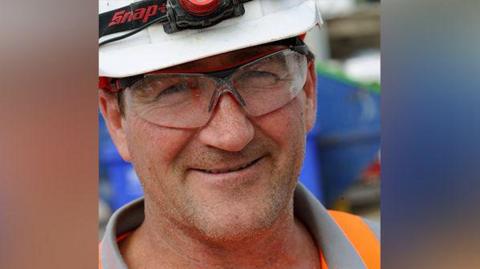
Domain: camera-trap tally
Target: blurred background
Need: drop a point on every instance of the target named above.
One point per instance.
(342, 163)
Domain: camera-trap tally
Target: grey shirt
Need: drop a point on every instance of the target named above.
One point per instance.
(336, 247)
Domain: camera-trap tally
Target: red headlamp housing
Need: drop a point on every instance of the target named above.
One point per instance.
(199, 7)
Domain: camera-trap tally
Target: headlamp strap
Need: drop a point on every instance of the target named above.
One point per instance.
(132, 16)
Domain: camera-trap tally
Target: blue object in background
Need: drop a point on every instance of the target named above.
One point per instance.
(311, 174)
(345, 138)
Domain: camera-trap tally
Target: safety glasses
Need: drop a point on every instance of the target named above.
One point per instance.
(188, 100)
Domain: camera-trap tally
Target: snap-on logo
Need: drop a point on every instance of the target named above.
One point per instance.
(143, 13)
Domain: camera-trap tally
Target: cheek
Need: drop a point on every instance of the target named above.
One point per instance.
(154, 149)
(285, 125)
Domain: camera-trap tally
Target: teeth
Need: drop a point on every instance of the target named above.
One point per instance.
(230, 170)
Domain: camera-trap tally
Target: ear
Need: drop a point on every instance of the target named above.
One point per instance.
(310, 90)
(114, 121)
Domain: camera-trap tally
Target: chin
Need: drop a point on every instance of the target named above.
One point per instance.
(243, 219)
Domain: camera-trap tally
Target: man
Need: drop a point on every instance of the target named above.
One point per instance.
(214, 121)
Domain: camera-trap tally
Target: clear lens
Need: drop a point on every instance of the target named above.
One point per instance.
(272, 82)
(173, 100)
(182, 100)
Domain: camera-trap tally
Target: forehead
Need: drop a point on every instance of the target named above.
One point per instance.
(226, 60)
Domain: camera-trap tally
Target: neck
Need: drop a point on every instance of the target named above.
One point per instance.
(159, 242)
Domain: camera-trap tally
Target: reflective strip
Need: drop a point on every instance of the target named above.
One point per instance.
(374, 226)
(121, 222)
(362, 237)
(338, 251)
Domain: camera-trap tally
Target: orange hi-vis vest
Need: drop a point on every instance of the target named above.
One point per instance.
(361, 236)
(345, 241)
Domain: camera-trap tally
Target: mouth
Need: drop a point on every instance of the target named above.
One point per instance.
(229, 169)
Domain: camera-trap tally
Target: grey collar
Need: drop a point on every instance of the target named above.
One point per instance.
(336, 248)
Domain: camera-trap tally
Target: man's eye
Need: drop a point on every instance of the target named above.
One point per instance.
(259, 74)
(177, 88)
(259, 79)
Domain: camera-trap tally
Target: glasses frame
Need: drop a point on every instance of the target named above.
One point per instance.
(222, 77)
(296, 44)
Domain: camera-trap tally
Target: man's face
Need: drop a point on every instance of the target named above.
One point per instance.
(233, 177)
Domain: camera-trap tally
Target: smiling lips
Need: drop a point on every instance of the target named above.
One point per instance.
(229, 169)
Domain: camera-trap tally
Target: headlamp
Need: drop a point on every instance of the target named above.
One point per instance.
(175, 15)
(199, 7)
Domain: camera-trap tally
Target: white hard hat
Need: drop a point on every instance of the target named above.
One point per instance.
(152, 49)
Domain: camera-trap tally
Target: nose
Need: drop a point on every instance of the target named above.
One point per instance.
(229, 128)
